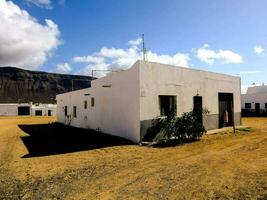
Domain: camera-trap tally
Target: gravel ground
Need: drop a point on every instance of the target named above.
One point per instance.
(41, 161)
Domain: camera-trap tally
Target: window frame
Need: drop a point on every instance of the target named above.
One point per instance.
(246, 105)
(174, 104)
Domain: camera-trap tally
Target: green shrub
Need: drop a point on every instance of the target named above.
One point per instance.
(178, 129)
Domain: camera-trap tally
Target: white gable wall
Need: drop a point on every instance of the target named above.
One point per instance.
(116, 109)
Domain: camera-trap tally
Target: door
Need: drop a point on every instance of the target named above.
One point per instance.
(49, 113)
(257, 108)
(198, 108)
(226, 109)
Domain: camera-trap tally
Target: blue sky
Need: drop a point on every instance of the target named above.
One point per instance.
(227, 36)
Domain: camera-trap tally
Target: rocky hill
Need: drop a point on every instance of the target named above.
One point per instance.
(19, 85)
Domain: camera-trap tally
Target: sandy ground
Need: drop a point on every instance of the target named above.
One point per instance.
(220, 166)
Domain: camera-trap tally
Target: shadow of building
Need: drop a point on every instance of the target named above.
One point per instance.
(55, 138)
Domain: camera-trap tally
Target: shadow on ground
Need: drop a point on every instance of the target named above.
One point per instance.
(55, 138)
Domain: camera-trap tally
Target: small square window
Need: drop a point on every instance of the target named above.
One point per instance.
(167, 105)
(247, 105)
(92, 101)
(74, 111)
(85, 104)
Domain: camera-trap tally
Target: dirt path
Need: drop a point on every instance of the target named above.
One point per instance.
(222, 166)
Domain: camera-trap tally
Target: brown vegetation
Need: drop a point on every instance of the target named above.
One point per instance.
(220, 166)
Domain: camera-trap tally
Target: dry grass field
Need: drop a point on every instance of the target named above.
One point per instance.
(39, 162)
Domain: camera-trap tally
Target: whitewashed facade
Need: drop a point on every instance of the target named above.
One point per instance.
(124, 103)
(254, 102)
(28, 109)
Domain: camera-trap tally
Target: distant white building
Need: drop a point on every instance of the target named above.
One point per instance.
(28, 109)
(125, 103)
(254, 102)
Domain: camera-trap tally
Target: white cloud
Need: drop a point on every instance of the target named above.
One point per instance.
(63, 68)
(222, 56)
(117, 58)
(249, 72)
(136, 42)
(88, 59)
(24, 42)
(259, 50)
(40, 3)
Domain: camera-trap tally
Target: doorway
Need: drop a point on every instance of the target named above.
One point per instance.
(257, 108)
(226, 108)
(198, 108)
(49, 112)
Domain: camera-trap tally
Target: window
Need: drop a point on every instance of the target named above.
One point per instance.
(265, 105)
(85, 104)
(74, 111)
(92, 101)
(247, 105)
(66, 110)
(167, 105)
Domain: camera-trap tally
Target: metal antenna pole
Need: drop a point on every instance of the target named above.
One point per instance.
(143, 39)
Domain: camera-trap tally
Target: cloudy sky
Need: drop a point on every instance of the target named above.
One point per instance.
(66, 36)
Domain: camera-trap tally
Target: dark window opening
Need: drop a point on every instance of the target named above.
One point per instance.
(74, 111)
(38, 113)
(23, 110)
(49, 113)
(85, 104)
(66, 110)
(265, 105)
(167, 105)
(92, 101)
(247, 105)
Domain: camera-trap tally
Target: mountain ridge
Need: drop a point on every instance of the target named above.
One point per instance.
(22, 86)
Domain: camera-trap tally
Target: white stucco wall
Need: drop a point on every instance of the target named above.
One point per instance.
(159, 79)
(116, 109)
(257, 89)
(12, 109)
(254, 98)
(8, 109)
(44, 108)
(131, 96)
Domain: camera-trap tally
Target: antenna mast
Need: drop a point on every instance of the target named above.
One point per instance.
(143, 49)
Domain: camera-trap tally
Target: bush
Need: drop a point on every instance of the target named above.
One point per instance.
(175, 129)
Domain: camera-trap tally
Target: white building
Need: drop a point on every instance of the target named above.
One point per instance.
(124, 103)
(30, 109)
(254, 102)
